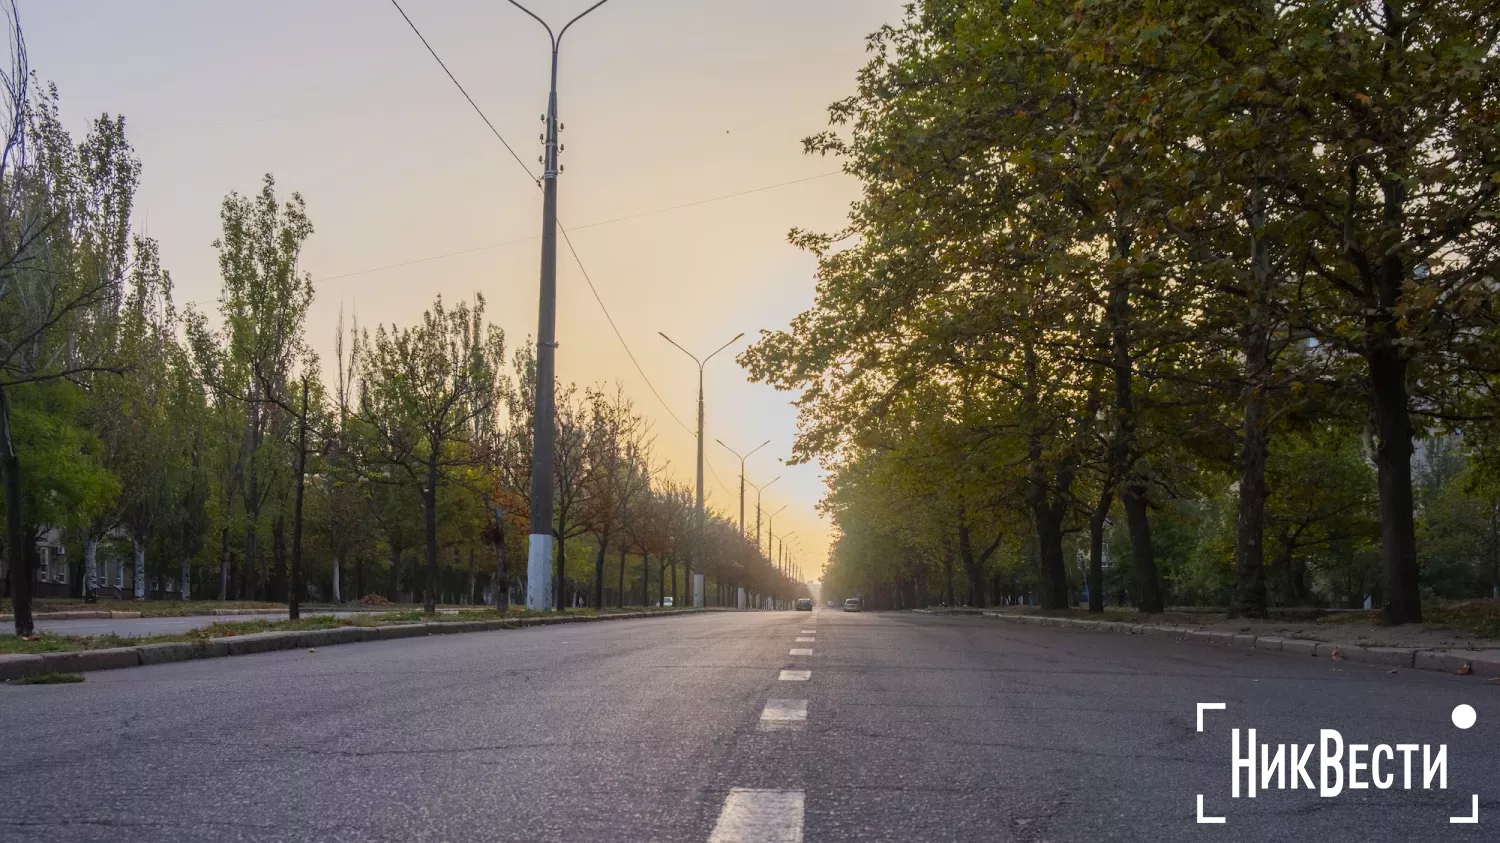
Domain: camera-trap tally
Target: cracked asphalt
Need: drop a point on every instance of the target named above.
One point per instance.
(919, 727)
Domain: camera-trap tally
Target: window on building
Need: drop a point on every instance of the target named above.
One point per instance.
(119, 574)
(43, 563)
(61, 574)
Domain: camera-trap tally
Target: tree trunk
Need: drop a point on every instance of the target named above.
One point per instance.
(90, 564)
(562, 570)
(620, 589)
(248, 585)
(1141, 552)
(224, 563)
(1398, 543)
(599, 571)
(971, 565)
(502, 576)
(645, 579)
(338, 577)
(1049, 534)
(674, 584)
(1249, 543)
(429, 507)
(396, 548)
(948, 578)
(17, 560)
(138, 549)
(187, 579)
(1127, 453)
(1096, 549)
(276, 588)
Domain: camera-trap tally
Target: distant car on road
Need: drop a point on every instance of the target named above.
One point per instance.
(666, 601)
(851, 605)
(804, 605)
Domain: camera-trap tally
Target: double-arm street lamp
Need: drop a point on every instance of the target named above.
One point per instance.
(539, 555)
(742, 477)
(758, 489)
(698, 513)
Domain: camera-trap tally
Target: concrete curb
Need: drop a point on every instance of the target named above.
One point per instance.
(18, 665)
(81, 615)
(1484, 663)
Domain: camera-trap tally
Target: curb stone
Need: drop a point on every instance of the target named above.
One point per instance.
(17, 665)
(1484, 663)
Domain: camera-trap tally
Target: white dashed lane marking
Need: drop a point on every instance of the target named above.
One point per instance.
(760, 816)
(805, 640)
(800, 651)
(785, 711)
(795, 675)
(806, 631)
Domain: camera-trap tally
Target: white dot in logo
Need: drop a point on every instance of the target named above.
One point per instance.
(1464, 716)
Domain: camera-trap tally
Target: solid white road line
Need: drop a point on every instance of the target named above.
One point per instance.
(795, 675)
(800, 651)
(808, 639)
(760, 816)
(783, 711)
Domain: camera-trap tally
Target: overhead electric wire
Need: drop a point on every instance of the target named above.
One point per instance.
(564, 231)
(461, 90)
(579, 228)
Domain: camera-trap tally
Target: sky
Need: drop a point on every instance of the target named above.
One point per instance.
(664, 103)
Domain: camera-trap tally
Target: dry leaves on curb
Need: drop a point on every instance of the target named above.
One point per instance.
(1464, 669)
(1337, 656)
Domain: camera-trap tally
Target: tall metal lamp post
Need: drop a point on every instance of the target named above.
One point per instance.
(698, 513)
(539, 555)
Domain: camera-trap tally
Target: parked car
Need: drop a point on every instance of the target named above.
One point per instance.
(666, 601)
(851, 605)
(804, 604)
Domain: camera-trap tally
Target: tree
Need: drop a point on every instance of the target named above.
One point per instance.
(421, 390)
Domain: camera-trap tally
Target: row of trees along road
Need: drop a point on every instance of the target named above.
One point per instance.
(1203, 290)
(212, 454)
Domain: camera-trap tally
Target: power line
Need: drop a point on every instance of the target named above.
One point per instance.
(579, 228)
(706, 201)
(564, 231)
(464, 92)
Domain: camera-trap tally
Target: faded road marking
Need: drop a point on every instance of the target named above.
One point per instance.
(760, 816)
(800, 651)
(795, 675)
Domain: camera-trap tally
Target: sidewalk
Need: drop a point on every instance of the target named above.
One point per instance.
(1351, 636)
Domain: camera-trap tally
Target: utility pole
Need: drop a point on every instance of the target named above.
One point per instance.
(758, 490)
(742, 477)
(539, 554)
(698, 513)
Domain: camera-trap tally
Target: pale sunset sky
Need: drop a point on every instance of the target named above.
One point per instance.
(665, 102)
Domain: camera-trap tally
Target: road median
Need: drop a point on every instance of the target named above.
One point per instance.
(18, 665)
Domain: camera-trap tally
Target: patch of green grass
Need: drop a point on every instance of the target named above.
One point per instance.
(47, 642)
(1480, 618)
(48, 679)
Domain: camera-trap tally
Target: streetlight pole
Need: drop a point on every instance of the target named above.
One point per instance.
(785, 570)
(742, 476)
(698, 513)
(758, 490)
(539, 555)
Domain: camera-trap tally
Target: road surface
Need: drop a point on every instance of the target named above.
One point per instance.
(908, 727)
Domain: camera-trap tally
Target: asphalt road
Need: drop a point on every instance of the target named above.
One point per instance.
(907, 728)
